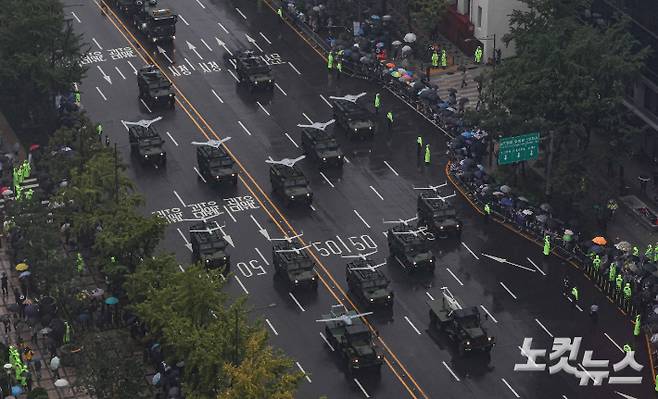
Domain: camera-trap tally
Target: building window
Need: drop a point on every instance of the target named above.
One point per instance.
(479, 17)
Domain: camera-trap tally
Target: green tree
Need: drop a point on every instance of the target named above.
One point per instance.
(424, 17)
(110, 366)
(39, 57)
(263, 373)
(567, 81)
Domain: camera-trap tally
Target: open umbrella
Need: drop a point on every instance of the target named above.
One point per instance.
(61, 383)
(506, 201)
(527, 212)
(156, 378)
(97, 292)
(523, 199)
(379, 45)
(623, 246)
(597, 249)
(390, 65)
(111, 300)
(410, 37)
(32, 311)
(16, 390)
(21, 267)
(599, 240)
(395, 74)
(506, 189)
(545, 207)
(541, 218)
(568, 232)
(396, 43)
(406, 49)
(498, 194)
(24, 274)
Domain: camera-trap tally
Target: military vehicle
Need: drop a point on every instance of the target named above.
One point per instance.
(216, 166)
(321, 146)
(209, 247)
(158, 25)
(411, 248)
(127, 7)
(294, 265)
(353, 118)
(438, 215)
(369, 284)
(145, 142)
(462, 325)
(351, 338)
(154, 88)
(252, 70)
(289, 182)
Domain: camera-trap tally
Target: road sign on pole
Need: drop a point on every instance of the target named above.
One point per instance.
(518, 148)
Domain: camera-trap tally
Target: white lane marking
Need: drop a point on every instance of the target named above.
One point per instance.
(346, 160)
(469, 250)
(364, 222)
(623, 395)
(582, 368)
(412, 325)
(180, 199)
(222, 26)
(296, 302)
(327, 342)
(187, 243)
(290, 138)
(262, 257)
(101, 93)
(146, 106)
(202, 6)
(536, 267)
(379, 195)
(312, 207)
(217, 95)
(240, 12)
(510, 388)
(451, 372)
(172, 139)
(263, 108)
(206, 44)
(299, 366)
(564, 397)
(307, 118)
(181, 268)
(133, 67)
(361, 387)
(429, 295)
(503, 260)
(269, 323)
(230, 214)
(93, 39)
(325, 100)
(265, 37)
(391, 168)
(183, 19)
(293, 67)
(507, 289)
(544, 328)
(280, 89)
(579, 308)
(190, 64)
(455, 277)
(243, 127)
(241, 285)
(490, 315)
(199, 173)
(120, 73)
(235, 66)
(327, 180)
(234, 77)
(613, 342)
(76, 17)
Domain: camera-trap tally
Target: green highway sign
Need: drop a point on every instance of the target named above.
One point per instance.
(518, 148)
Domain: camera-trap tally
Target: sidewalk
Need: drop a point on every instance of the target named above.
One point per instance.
(452, 79)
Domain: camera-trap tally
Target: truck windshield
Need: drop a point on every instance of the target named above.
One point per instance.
(295, 182)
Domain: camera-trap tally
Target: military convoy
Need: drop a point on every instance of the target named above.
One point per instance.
(321, 146)
(146, 143)
(252, 70)
(290, 184)
(351, 338)
(411, 249)
(209, 248)
(355, 120)
(154, 88)
(215, 165)
(438, 215)
(463, 326)
(368, 284)
(294, 266)
(157, 24)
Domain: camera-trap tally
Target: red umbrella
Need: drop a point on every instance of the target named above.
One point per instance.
(34, 147)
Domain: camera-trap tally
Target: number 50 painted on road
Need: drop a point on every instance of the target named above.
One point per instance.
(363, 243)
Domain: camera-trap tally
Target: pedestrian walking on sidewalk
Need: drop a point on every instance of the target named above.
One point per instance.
(54, 366)
(4, 280)
(464, 84)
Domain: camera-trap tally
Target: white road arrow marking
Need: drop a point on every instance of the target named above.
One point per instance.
(206, 44)
(503, 260)
(164, 53)
(260, 228)
(253, 41)
(183, 19)
(107, 78)
(222, 44)
(93, 39)
(226, 237)
(76, 17)
(187, 243)
(120, 73)
(192, 47)
(240, 12)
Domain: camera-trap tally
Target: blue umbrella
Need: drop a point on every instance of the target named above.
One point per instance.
(596, 249)
(156, 379)
(468, 134)
(111, 300)
(16, 390)
(506, 201)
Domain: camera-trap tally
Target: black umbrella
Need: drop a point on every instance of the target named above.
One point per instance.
(32, 310)
(58, 327)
